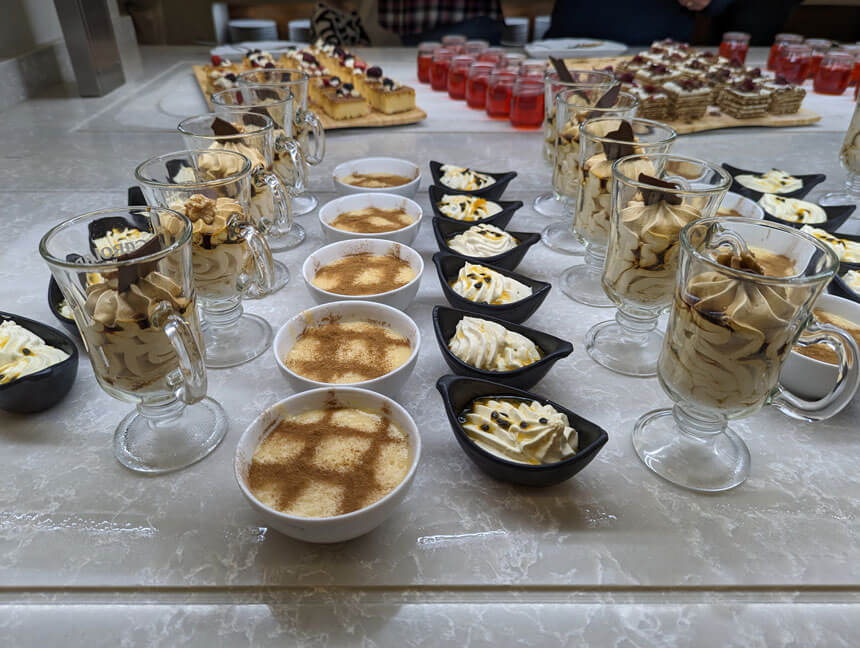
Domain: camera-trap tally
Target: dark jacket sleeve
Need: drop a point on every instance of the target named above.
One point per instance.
(717, 7)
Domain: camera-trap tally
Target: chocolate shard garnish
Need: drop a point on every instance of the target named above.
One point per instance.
(618, 148)
(652, 196)
(261, 111)
(221, 127)
(135, 197)
(174, 167)
(127, 275)
(266, 93)
(561, 69)
(609, 99)
(254, 119)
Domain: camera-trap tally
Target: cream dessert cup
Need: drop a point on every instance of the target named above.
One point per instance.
(230, 256)
(849, 158)
(572, 108)
(136, 312)
(307, 125)
(551, 203)
(252, 135)
(603, 140)
(648, 213)
(743, 295)
(277, 104)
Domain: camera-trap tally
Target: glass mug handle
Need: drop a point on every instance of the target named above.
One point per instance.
(309, 119)
(846, 386)
(188, 352)
(283, 211)
(289, 146)
(261, 254)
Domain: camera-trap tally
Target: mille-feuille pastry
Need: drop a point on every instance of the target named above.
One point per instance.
(656, 74)
(688, 98)
(653, 101)
(744, 100)
(785, 98)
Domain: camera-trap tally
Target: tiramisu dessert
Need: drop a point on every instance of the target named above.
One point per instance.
(490, 346)
(23, 353)
(792, 210)
(329, 461)
(774, 181)
(364, 274)
(219, 254)
(823, 352)
(347, 352)
(520, 430)
(642, 262)
(372, 220)
(847, 251)
(376, 180)
(728, 335)
(467, 208)
(482, 241)
(463, 178)
(484, 286)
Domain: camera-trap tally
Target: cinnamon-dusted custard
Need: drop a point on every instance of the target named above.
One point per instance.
(823, 352)
(372, 220)
(375, 180)
(364, 274)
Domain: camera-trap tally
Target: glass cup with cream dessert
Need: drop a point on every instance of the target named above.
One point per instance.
(135, 307)
(551, 203)
(648, 213)
(252, 135)
(308, 127)
(277, 104)
(603, 140)
(849, 158)
(229, 252)
(572, 107)
(744, 292)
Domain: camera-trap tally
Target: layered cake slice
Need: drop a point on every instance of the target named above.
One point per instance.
(688, 98)
(744, 100)
(785, 98)
(389, 96)
(653, 102)
(656, 74)
(343, 102)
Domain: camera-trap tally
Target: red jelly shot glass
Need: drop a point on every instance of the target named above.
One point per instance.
(834, 73)
(779, 42)
(439, 69)
(476, 83)
(499, 86)
(425, 60)
(492, 54)
(527, 102)
(793, 63)
(735, 46)
(457, 74)
(475, 47)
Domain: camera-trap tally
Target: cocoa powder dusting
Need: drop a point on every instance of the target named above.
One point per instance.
(363, 274)
(372, 220)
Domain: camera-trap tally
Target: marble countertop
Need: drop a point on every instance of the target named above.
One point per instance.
(92, 554)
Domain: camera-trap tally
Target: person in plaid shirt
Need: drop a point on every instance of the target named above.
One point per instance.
(420, 20)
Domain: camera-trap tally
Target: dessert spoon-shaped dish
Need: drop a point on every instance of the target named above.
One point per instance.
(508, 259)
(836, 217)
(458, 392)
(809, 182)
(839, 287)
(501, 219)
(490, 192)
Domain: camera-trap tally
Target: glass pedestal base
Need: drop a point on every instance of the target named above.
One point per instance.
(560, 238)
(609, 344)
(304, 204)
(548, 205)
(281, 279)
(281, 242)
(235, 344)
(583, 284)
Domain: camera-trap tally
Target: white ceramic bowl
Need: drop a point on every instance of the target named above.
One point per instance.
(396, 166)
(810, 378)
(339, 527)
(742, 205)
(336, 207)
(389, 384)
(399, 298)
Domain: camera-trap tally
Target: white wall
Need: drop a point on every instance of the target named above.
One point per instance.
(27, 24)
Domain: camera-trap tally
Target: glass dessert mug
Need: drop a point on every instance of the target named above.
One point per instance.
(849, 158)
(743, 294)
(572, 107)
(252, 135)
(603, 140)
(306, 123)
(276, 104)
(228, 250)
(648, 212)
(552, 203)
(135, 308)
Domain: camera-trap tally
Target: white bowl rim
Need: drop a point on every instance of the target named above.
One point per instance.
(351, 303)
(416, 456)
(387, 293)
(377, 158)
(828, 297)
(366, 195)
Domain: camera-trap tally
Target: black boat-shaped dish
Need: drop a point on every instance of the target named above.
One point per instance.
(836, 217)
(448, 267)
(500, 219)
(508, 260)
(459, 392)
(552, 349)
(839, 287)
(490, 192)
(809, 181)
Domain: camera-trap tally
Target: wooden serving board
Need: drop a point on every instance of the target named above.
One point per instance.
(803, 117)
(374, 119)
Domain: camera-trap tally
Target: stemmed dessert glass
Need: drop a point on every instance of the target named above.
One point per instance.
(135, 309)
(252, 135)
(653, 197)
(572, 107)
(849, 157)
(743, 294)
(309, 128)
(552, 203)
(229, 251)
(602, 140)
(277, 104)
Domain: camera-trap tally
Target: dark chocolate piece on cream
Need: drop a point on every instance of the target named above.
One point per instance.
(222, 127)
(652, 196)
(619, 149)
(127, 275)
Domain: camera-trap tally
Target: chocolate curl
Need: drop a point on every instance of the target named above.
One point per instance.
(253, 120)
(609, 99)
(619, 148)
(652, 196)
(127, 275)
(222, 128)
(561, 69)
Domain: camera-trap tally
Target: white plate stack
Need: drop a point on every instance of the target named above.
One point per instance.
(300, 30)
(541, 26)
(516, 32)
(252, 29)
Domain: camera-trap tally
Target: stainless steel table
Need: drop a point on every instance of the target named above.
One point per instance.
(91, 554)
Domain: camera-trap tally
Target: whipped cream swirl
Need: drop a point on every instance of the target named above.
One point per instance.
(464, 178)
(482, 241)
(484, 286)
(467, 208)
(492, 347)
(22, 352)
(852, 280)
(792, 210)
(773, 181)
(848, 251)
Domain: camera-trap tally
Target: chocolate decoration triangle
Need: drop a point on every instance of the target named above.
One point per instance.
(127, 275)
(253, 119)
(266, 93)
(652, 196)
(135, 197)
(221, 127)
(618, 148)
(261, 111)
(609, 99)
(561, 69)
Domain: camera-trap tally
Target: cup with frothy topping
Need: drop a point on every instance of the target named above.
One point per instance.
(743, 296)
